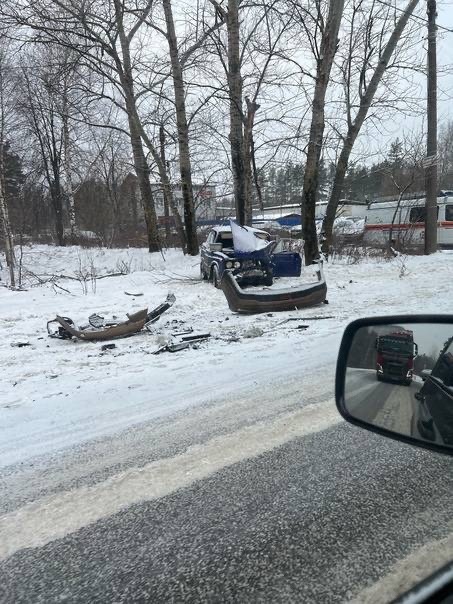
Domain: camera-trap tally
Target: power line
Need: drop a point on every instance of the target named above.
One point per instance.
(422, 19)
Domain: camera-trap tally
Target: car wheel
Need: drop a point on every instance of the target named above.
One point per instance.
(215, 277)
(203, 274)
(269, 279)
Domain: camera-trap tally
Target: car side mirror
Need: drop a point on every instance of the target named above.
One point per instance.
(395, 377)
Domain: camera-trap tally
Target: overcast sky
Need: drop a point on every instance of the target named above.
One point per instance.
(404, 126)
(445, 60)
(430, 338)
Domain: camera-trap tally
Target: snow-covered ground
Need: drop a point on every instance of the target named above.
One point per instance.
(58, 393)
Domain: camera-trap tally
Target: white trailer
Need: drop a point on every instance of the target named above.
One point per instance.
(406, 221)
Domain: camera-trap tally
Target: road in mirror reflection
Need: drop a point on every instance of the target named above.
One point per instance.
(400, 377)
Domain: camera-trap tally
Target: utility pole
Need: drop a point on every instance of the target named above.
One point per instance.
(431, 146)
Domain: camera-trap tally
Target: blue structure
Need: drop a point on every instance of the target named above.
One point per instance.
(290, 220)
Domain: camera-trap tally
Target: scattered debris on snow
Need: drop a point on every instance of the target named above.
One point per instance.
(155, 314)
(172, 347)
(184, 332)
(105, 347)
(253, 332)
(198, 337)
(168, 344)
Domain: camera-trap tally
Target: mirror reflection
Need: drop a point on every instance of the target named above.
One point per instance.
(400, 377)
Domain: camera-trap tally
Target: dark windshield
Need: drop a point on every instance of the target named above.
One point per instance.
(396, 344)
(226, 239)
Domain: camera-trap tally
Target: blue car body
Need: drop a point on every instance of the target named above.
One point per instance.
(249, 268)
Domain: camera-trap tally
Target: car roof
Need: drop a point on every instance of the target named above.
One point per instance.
(227, 229)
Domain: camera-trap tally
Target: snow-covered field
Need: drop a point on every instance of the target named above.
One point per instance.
(58, 393)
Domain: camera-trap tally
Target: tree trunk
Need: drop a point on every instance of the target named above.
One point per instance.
(57, 202)
(183, 133)
(310, 189)
(259, 192)
(354, 128)
(236, 113)
(67, 165)
(140, 163)
(134, 208)
(395, 214)
(69, 183)
(335, 194)
(252, 108)
(6, 225)
(54, 180)
(166, 204)
(146, 194)
(169, 198)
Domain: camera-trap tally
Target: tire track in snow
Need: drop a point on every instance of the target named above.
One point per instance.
(53, 517)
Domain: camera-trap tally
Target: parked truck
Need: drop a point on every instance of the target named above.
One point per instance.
(395, 356)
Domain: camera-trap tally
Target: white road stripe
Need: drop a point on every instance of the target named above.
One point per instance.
(406, 573)
(55, 516)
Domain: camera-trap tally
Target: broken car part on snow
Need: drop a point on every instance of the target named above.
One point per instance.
(134, 323)
(186, 342)
(159, 310)
(99, 329)
(308, 294)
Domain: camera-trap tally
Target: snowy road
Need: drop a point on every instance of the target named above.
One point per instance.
(251, 499)
(385, 404)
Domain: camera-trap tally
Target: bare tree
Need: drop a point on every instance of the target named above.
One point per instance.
(324, 60)
(158, 155)
(235, 86)
(169, 200)
(112, 170)
(104, 34)
(446, 156)
(254, 38)
(67, 71)
(181, 53)
(368, 86)
(183, 130)
(125, 71)
(403, 174)
(4, 215)
(62, 83)
(42, 120)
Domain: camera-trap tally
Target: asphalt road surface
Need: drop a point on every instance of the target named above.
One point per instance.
(268, 498)
(386, 404)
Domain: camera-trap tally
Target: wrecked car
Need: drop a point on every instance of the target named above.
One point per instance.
(224, 249)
